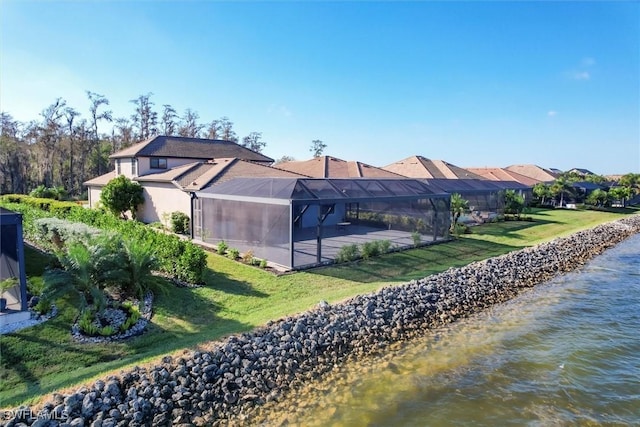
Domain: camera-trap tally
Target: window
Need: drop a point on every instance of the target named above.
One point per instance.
(117, 167)
(134, 167)
(158, 163)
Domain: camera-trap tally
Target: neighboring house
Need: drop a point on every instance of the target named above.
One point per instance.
(332, 167)
(421, 167)
(581, 171)
(534, 171)
(501, 174)
(582, 190)
(171, 168)
(556, 171)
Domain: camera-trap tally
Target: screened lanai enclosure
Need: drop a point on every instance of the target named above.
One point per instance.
(484, 197)
(304, 222)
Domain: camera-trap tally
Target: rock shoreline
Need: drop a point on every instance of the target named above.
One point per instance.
(225, 385)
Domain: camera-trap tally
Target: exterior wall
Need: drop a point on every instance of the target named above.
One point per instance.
(94, 196)
(127, 167)
(144, 164)
(160, 198)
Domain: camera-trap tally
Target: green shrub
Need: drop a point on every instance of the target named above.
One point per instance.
(180, 223)
(348, 253)
(35, 285)
(263, 263)
(57, 193)
(459, 229)
(169, 248)
(385, 246)
(107, 331)
(191, 264)
(233, 253)
(370, 249)
(43, 306)
(222, 247)
(417, 238)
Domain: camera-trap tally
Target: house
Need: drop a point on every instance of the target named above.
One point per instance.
(501, 174)
(332, 167)
(170, 169)
(534, 171)
(14, 300)
(421, 167)
(581, 171)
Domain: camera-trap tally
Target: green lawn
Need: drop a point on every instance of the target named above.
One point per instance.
(236, 298)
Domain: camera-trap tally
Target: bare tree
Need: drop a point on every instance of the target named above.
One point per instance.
(168, 124)
(48, 135)
(145, 119)
(317, 147)
(189, 127)
(98, 101)
(14, 157)
(70, 115)
(226, 130)
(284, 159)
(253, 142)
(214, 130)
(123, 134)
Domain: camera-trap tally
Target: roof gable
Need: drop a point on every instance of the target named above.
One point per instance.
(533, 171)
(332, 167)
(421, 167)
(500, 174)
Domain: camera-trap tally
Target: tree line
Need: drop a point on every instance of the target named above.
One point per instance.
(63, 148)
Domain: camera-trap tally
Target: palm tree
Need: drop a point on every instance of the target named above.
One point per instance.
(542, 191)
(78, 274)
(560, 187)
(139, 263)
(458, 207)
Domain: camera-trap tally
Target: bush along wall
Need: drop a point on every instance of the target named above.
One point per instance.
(178, 258)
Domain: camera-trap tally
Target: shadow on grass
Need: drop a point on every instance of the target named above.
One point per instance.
(222, 282)
(414, 264)
(44, 358)
(90, 360)
(509, 228)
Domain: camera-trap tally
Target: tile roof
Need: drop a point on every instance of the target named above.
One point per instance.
(332, 167)
(421, 167)
(223, 170)
(198, 175)
(500, 174)
(533, 171)
(101, 180)
(194, 148)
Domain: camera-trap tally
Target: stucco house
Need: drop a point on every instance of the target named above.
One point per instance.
(332, 167)
(171, 168)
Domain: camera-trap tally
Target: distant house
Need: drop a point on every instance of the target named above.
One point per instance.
(581, 171)
(171, 168)
(534, 171)
(332, 167)
(421, 167)
(501, 174)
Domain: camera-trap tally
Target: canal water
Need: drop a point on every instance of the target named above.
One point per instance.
(564, 353)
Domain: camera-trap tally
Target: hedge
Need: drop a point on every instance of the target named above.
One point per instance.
(178, 258)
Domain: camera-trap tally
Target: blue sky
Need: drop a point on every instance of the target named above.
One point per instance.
(472, 83)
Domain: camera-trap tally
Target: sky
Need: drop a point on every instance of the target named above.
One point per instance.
(472, 83)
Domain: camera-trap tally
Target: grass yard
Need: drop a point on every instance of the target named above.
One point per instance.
(38, 360)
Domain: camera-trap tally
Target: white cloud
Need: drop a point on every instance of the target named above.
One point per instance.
(552, 113)
(581, 75)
